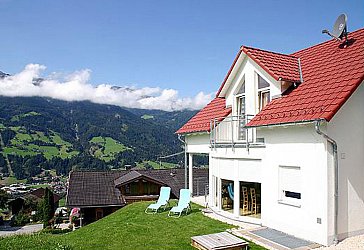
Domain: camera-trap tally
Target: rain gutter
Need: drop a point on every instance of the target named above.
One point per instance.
(336, 177)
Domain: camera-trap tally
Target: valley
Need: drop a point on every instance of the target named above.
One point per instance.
(42, 134)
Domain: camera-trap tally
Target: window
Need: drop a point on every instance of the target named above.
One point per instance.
(241, 116)
(289, 185)
(263, 93)
(241, 112)
(264, 98)
(241, 90)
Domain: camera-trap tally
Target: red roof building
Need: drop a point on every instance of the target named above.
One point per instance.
(326, 75)
(285, 140)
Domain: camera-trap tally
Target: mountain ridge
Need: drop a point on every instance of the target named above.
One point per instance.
(61, 135)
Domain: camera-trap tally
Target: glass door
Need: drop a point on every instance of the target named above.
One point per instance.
(241, 117)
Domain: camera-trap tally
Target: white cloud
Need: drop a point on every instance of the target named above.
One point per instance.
(76, 87)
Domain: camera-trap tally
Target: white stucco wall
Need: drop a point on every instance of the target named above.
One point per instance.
(235, 165)
(347, 129)
(198, 143)
(297, 146)
(311, 217)
(247, 70)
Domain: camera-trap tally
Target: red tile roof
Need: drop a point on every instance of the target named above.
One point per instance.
(229, 72)
(331, 74)
(279, 66)
(201, 121)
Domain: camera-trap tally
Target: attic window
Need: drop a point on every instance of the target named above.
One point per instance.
(263, 93)
(241, 89)
(262, 83)
(264, 98)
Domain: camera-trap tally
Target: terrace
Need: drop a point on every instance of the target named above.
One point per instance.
(232, 132)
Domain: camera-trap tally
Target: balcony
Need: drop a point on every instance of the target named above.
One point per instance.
(232, 132)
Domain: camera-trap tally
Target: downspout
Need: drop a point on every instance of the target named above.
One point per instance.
(336, 177)
(185, 149)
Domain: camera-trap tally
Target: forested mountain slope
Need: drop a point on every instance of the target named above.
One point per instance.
(42, 133)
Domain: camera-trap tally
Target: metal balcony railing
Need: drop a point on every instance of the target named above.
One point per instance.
(231, 131)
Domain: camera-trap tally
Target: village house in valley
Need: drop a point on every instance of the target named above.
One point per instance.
(285, 139)
(99, 193)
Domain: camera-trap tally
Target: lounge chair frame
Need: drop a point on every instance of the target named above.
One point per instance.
(184, 204)
(162, 202)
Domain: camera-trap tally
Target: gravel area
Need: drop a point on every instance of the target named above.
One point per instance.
(7, 231)
(356, 242)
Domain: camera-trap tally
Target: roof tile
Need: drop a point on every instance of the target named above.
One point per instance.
(278, 65)
(201, 121)
(331, 74)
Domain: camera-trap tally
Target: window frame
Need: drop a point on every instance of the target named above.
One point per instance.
(262, 91)
(260, 97)
(285, 199)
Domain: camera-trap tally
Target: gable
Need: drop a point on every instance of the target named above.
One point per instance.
(324, 77)
(331, 74)
(133, 176)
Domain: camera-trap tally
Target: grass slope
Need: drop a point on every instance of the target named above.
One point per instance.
(22, 144)
(128, 228)
(156, 165)
(108, 148)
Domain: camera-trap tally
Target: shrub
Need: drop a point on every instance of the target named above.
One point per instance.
(20, 219)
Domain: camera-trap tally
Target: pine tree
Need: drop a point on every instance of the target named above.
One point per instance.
(48, 207)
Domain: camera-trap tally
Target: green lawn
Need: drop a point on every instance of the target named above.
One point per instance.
(128, 228)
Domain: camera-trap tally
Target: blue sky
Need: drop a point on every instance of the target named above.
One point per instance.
(184, 45)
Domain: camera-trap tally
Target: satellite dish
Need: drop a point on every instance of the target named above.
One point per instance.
(340, 28)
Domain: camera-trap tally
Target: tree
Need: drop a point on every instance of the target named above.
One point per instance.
(48, 207)
(4, 197)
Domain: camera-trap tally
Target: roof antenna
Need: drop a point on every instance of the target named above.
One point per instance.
(339, 30)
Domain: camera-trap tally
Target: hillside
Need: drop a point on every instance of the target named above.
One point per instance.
(172, 120)
(127, 228)
(42, 133)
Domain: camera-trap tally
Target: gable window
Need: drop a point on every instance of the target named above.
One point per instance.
(289, 185)
(241, 111)
(263, 93)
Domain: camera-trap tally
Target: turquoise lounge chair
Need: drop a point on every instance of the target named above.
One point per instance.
(162, 201)
(183, 204)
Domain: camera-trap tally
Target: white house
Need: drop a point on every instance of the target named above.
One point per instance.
(285, 139)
